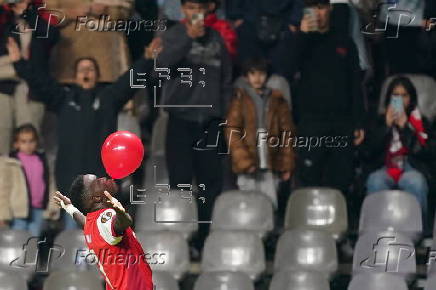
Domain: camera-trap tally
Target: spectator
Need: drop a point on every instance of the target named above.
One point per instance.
(87, 111)
(34, 164)
(82, 36)
(30, 27)
(224, 27)
(399, 146)
(329, 103)
(197, 108)
(257, 118)
(264, 28)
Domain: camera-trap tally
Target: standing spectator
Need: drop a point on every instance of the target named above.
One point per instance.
(36, 35)
(257, 118)
(224, 27)
(197, 108)
(329, 103)
(264, 28)
(399, 147)
(87, 111)
(36, 171)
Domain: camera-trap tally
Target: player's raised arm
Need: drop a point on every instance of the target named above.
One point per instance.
(123, 220)
(64, 202)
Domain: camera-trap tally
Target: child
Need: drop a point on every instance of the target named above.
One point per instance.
(259, 133)
(35, 169)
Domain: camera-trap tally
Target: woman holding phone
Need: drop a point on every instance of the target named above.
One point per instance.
(399, 145)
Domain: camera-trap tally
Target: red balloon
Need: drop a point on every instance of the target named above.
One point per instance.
(122, 153)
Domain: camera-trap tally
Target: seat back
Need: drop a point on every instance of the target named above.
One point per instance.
(299, 280)
(377, 281)
(12, 281)
(386, 252)
(317, 208)
(71, 279)
(18, 252)
(392, 210)
(223, 280)
(306, 250)
(237, 210)
(168, 252)
(238, 251)
(164, 281)
(176, 211)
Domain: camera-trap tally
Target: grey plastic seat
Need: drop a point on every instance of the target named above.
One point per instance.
(155, 171)
(76, 253)
(377, 281)
(306, 250)
(168, 251)
(223, 280)
(12, 281)
(431, 283)
(250, 211)
(392, 210)
(237, 251)
(431, 260)
(18, 252)
(164, 281)
(299, 280)
(157, 215)
(387, 252)
(317, 208)
(73, 280)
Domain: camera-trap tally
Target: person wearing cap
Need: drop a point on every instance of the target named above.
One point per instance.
(329, 105)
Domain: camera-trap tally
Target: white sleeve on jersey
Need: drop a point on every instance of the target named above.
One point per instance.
(104, 224)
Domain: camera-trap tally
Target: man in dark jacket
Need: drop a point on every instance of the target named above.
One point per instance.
(329, 104)
(87, 111)
(196, 107)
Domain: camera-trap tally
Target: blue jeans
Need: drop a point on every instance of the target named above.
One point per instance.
(411, 181)
(33, 223)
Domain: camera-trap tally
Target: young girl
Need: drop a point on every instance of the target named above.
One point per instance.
(400, 144)
(34, 165)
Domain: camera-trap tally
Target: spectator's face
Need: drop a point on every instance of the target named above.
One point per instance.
(19, 7)
(192, 8)
(86, 74)
(26, 143)
(256, 79)
(401, 91)
(323, 16)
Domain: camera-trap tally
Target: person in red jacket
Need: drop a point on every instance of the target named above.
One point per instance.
(224, 27)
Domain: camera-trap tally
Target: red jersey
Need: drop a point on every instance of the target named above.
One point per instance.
(121, 259)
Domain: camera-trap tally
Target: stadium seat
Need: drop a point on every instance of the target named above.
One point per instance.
(299, 280)
(167, 251)
(392, 210)
(430, 284)
(155, 172)
(73, 280)
(236, 210)
(431, 260)
(164, 281)
(239, 251)
(76, 255)
(306, 250)
(377, 281)
(425, 88)
(317, 208)
(387, 251)
(176, 206)
(223, 280)
(12, 281)
(18, 252)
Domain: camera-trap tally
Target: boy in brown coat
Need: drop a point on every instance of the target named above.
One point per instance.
(259, 133)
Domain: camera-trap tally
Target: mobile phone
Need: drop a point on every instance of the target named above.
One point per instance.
(397, 103)
(310, 11)
(197, 18)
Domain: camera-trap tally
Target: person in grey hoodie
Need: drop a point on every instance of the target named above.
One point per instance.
(196, 104)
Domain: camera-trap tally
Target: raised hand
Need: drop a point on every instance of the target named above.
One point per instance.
(114, 203)
(61, 200)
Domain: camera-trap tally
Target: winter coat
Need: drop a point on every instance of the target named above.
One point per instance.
(242, 137)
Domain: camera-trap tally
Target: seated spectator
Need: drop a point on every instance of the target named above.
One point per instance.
(36, 172)
(399, 146)
(257, 118)
(87, 111)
